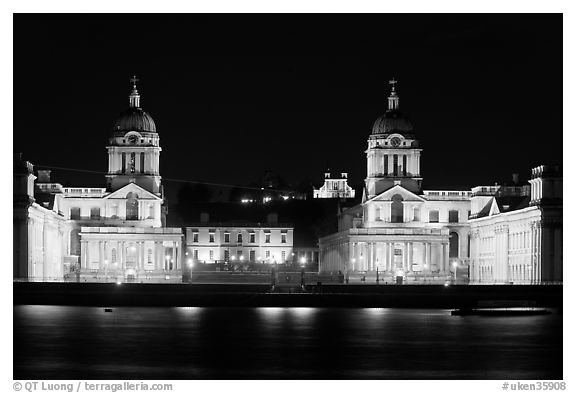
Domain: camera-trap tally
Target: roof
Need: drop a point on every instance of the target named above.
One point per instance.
(392, 121)
(134, 119)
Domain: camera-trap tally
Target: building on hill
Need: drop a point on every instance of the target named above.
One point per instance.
(402, 233)
(115, 232)
(335, 186)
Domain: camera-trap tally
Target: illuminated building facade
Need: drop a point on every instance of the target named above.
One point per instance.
(112, 233)
(335, 186)
(270, 242)
(401, 233)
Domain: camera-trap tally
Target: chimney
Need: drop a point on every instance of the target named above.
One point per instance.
(204, 217)
(43, 176)
(272, 218)
(515, 178)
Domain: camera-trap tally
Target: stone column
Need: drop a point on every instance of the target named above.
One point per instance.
(122, 255)
(102, 256)
(427, 259)
(83, 253)
(391, 255)
(410, 257)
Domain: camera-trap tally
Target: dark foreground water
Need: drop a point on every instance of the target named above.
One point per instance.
(66, 342)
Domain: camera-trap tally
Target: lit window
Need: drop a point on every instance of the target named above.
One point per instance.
(113, 255)
(95, 213)
(196, 254)
(267, 253)
(283, 256)
(226, 255)
(211, 255)
(453, 216)
(74, 213)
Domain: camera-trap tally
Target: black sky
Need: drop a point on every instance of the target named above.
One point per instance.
(235, 95)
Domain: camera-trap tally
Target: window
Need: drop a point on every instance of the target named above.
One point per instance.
(453, 245)
(131, 206)
(377, 214)
(252, 238)
(397, 208)
(74, 213)
(283, 238)
(211, 239)
(468, 253)
(433, 216)
(150, 255)
(404, 163)
(226, 238)
(267, 253)
(395, 160)
(211, 255)
(239, 254)
(142, 161)
(267, 238)
(132, 162)
(195, 237)
(283, 256)
(95, 213)
(385, 164)
(123, 162)
(453, 216)
(226, 255)
(252, 255)
(416, 214)
(114, 256)
(195, 254)
(239, 238)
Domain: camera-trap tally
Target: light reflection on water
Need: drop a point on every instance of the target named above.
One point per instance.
(251, 343)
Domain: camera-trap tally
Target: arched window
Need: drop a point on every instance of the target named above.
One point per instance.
(453, 245)
(131, 206)
(397, 209)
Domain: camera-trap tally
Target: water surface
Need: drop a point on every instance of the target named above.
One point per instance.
(66, 342)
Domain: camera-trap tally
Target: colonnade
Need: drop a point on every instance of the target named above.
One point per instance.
(114, 255)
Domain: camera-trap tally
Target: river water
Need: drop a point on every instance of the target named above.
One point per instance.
(66, 342)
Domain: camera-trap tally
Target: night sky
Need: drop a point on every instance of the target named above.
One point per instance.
(235, 95)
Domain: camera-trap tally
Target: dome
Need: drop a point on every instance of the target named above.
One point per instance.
(390, 122)
(134, 119)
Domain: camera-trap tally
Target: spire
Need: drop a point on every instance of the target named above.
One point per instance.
(393, 99)
(134, 96)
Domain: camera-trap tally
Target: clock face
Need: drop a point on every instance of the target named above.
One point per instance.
(395, 141)
(133, 139)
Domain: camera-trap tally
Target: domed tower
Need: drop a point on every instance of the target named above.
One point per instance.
(393, 156)
(134, 149)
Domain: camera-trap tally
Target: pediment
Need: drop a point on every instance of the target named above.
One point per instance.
(132, 187)
(386, 196)
(494, 208)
